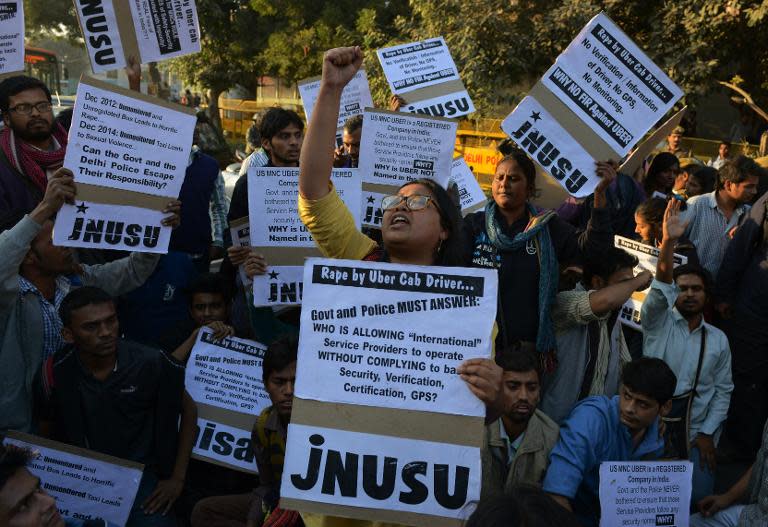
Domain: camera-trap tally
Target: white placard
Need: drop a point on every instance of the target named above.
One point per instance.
(648, 259)
(537, 132)
(355, 97)
(645, 493)
(606, 80)
(101, 34)
(417, 65)
(226, 375)
(84, 487)
(241, 237)
(122, 142)
(380, 472)
(392, 335)
(119, 227)
(397, 148)
(372, 215)
(282, 285)
(452, 106)
(471, 196)
(165, 29)
(273, 195)
(11, 36)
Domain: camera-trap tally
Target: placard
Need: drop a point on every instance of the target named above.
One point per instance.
(424, 74)
(648, 258)
(355, 97)
(11, 36)
(240, 229)
(611, 85)
(396, 148)
(645, 493)
(150, 31)
(372, 215)
(561, 156)
(644, 149)
(471, 196)
(87, 485)
(282, 285)
(123, 141)
(386, 335)
(353, 469)
(119, 227)
(224, 378)
(273, 204)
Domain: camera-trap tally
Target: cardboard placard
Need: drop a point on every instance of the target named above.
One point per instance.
(424, 74)
(355, 97)
(224, 379)
(241, 237)
(113, 30)
(644, 149)
(645, 493)
(11, 36)
(648, 259)
(87, 485)
(373, 384)
(471, 196)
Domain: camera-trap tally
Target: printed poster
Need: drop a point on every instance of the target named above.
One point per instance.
(11, 36)
(355, 97)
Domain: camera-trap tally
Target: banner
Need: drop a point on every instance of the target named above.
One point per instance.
(648, 258)
(372, 214)
(150, 31)
(11, 36)
(424, 74)
(645, 493)
(396, 148)
(355, 97)
(471, 196)
(282, 285)
(224, 379)
(87, 485)
(240, 229)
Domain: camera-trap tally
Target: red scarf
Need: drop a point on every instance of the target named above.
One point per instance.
(32, 161)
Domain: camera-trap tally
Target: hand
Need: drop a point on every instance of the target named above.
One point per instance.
(672, 228)
(173, 208)
(238, 255)
(706, 447)
(61, 189)
(133, 72)
(340, 65)
(713, 504)
(221, 330)
(606, 171)
(396, 102)
(644, 280)
(256, 264)
(165, 495)
(340, 157)
(484, 379)
(215, 252)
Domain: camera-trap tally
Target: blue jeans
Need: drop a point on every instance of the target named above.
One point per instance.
(703, 479)
(725, 518)
(137, 517)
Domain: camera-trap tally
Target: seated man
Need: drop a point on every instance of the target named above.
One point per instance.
(745, 504)
(599, 429)
(268, 439)
(675, 331)
(590, 336)
(123, 399)
(516, 447)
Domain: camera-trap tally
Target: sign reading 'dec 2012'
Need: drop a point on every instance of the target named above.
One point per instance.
(11, 36)
(162, 30)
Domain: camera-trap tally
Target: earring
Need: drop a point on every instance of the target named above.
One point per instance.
(440, 246)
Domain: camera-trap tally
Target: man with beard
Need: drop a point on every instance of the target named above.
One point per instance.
(31, 146)
(516, 447)
(674, 330)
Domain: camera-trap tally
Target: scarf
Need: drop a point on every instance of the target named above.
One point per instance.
(32, 161)
(537, 232)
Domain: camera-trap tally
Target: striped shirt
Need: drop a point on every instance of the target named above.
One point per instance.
(52, 341)
(708, 229)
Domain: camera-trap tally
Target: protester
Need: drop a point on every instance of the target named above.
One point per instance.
(522, 506)
(712, 217)
(741, 295)
(516, 447)
(23, 501)
(673, 143)
(600, 429)
(649, 218)
(257, 156)
(723, 155)
(661, 175)
(688, 165)
(590, 337)
(268, 440)
(745, 504)
(527, 246)
(33, 285)
(701, 181)
(122, 399)
(675, 331)
(348, 155)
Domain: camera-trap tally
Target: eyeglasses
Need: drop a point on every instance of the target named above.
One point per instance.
(26, 109)
(412, 202)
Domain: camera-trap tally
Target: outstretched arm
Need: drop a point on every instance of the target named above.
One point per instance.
(316, 162)
(672, 230)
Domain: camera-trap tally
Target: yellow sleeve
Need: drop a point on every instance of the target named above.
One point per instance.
(333, 228)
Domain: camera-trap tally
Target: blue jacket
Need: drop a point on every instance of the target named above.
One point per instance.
(589, 436)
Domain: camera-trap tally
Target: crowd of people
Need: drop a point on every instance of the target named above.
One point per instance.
(94, 343)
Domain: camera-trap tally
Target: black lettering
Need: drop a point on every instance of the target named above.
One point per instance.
(548, 155)
(77, 229)
(245, 452)
(522, 130)
(151, 236)
(371, 481)
(105, 56)
(223, 446)
(343, 473)
(97, 24)
(93, 230)
(114, 232)
(459, 496)
(91, 7)
(533, 142)
(132, 235)
(462, 104)
(205, 442)
(313, 465)
(96, 41)
(419, 492)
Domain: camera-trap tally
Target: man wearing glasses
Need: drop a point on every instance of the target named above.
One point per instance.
(31, 147)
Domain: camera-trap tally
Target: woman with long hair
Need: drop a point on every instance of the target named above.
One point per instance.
(661, 174)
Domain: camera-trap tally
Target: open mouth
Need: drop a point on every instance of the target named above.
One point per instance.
(398, 219)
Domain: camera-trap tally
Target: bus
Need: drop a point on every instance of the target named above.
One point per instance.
(44, 65)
